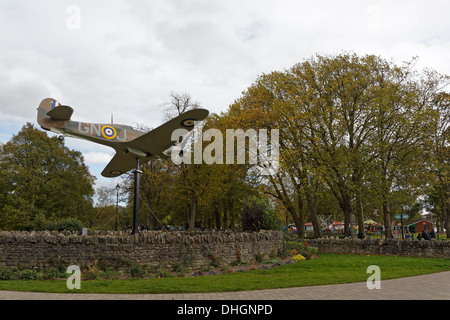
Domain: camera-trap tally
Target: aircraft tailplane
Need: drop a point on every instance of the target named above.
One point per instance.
(51, 114)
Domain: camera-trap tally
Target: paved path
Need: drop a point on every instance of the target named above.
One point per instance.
(426, 287)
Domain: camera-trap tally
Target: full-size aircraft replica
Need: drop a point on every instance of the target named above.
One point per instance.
(131, 145)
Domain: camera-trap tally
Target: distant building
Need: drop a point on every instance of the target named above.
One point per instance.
(309, 226)
(417, 226)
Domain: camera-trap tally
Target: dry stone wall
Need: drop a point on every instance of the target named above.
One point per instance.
(411, 248)
(154, 248)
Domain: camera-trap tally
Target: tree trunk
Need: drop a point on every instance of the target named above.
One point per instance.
(346, 205)
(217, 217)
(349, 215)
(387, 219)
(312, 205)
(360, 217)
(299, 219)
(226, 210)
(297, 216)
(192, 211)
(447, 212)
(299, 223)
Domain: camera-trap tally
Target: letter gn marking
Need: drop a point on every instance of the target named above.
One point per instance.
(109, 132)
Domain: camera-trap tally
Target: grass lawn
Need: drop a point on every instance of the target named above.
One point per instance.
(327, 269)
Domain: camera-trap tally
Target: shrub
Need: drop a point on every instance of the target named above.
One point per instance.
(28, 274)
(68, 224)
(271, 261)
(260, 214)
(292, 247)
(298, 258)
(252, 216)
(271, 218)
(115, 264)
(259, 256)
(6, 274)
(138, 270)
(183, 263)
(92, 272)
(40, 223)
(52, 274)
(215, 261)
(164, 274)
(58, 264)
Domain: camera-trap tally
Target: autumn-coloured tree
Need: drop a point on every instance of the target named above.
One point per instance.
(355, 126)
(439, 148)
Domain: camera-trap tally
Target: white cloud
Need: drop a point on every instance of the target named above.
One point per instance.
(126, 56)
(93, 157)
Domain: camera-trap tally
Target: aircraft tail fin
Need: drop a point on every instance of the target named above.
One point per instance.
(51, 111)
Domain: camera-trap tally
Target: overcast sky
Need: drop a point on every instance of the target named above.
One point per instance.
(125, 57)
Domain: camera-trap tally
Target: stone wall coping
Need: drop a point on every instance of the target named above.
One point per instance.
(66, 237)
(378, 241)
(399, 247)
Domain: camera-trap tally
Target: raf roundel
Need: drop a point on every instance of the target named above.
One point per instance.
(109, 132)
(188, 122)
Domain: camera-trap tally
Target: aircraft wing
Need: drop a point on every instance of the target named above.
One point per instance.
(160, 139)
(119, 164)
(151, 143)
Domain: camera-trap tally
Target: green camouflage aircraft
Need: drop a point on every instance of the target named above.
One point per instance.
(130, 145)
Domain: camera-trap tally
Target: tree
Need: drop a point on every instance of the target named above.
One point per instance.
(353, 126)
(334, 94)
(259, 108)
(156, 189)
(193, 194)
(401, 134)
(40, 176)
(179, 103)
(226, 184)
(108, 210)
(439, 195)
(188, 185)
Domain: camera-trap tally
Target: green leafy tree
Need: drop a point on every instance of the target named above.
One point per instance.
(40, 177)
